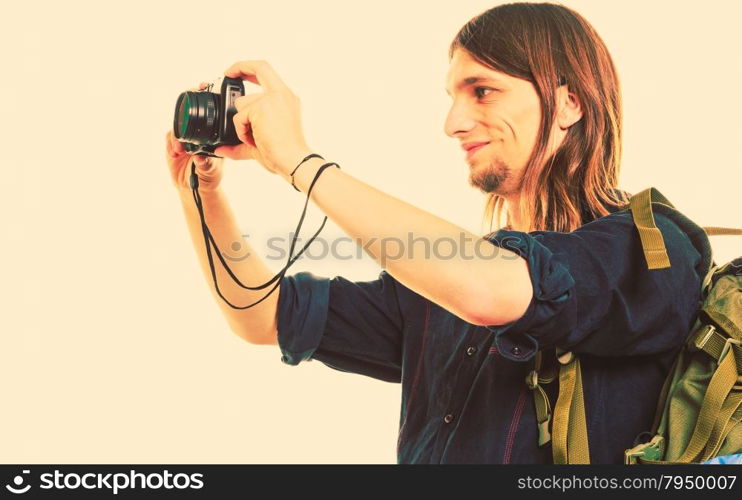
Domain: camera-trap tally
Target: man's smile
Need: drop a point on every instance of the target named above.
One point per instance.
(472, 147)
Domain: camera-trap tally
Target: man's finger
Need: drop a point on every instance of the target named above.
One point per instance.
(174, 147)
(243, 127)
(259, 72)
(169, 146)
(243, 101)
(175, 144)
(241, 122)
(238, 152)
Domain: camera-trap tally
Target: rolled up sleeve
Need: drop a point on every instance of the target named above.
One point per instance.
(593, 292)
(302, 315)
(349, 326)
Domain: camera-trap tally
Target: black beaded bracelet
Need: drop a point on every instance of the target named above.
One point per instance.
(313, 155)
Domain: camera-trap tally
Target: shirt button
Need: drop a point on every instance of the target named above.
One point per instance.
(448, 418)
(515, 350)
(471, 350)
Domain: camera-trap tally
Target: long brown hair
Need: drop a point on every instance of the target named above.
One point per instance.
(550, 45)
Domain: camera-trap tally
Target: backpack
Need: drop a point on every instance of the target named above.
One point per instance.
(699, 411)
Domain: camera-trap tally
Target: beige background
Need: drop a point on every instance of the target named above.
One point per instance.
(112, 347)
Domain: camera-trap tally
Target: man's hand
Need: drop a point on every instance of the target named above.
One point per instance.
(209, 170)
(268, 123)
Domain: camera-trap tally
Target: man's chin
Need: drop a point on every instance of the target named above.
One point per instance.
(482, 185)
(487, 182)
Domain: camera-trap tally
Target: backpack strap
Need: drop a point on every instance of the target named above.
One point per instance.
(534, 380)
(712, 407)
(723, 426)
(716, 344)
(652, 242)
(569, 431)
(651, 238)
(716, 417)
(718, 231)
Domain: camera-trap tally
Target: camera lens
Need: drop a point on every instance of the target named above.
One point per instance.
(183, 115)
(196, 117)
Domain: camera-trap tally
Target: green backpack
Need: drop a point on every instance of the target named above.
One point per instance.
(699, 412)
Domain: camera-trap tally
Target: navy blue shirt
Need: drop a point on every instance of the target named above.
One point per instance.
(464, 395)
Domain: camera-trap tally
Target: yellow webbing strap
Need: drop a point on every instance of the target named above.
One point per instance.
(718, 231)
(723, 426)
(652, 242)
(716, 344)
(718, 389)
(714, 421)
(569, 430)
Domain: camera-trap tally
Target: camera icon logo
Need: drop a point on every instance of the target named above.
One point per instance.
(18, 481)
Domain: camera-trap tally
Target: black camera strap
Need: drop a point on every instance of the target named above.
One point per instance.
(209, 240)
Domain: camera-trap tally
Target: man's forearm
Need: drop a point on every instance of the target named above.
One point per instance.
(258, 323)
(458, 270)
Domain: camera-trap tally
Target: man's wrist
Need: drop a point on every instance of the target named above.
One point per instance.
(307, 171)
(291, 160)
(187, 193)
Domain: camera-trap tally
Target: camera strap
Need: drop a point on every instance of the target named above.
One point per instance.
(209, 240)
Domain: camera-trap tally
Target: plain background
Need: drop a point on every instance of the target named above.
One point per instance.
(113, 350)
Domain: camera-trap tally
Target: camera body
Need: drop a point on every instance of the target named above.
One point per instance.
(203, 118)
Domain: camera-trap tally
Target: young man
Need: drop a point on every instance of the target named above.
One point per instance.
(536, 107)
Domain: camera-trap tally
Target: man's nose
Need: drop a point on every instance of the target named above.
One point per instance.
(458, 121)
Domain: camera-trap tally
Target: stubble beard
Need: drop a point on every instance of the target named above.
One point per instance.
(490, 179)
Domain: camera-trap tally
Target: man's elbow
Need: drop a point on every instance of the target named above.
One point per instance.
(500, 309)
(257, 337)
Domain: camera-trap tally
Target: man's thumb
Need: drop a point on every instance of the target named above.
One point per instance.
(204, 164)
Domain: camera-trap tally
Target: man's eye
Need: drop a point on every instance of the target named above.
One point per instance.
(482, 91)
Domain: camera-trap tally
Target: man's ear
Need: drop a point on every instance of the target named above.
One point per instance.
(569, 108)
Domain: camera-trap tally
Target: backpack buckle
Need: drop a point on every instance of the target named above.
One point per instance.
(652, 450)
(710, 330)
(727, 346)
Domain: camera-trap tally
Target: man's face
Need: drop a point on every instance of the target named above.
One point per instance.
(497, 109)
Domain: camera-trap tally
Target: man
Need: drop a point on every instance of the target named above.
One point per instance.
(536, 107)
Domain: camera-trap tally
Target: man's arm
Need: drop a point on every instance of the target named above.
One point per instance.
(470, 282)
(257, 324)
(460, 271)
(595, 293)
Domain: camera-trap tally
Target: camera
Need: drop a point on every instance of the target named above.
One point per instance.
(203, 118)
